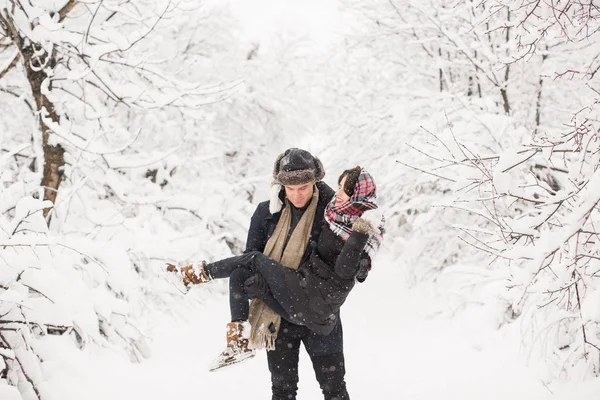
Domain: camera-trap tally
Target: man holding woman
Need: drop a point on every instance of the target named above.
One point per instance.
(306, 248)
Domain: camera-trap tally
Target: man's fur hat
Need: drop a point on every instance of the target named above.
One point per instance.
(297, 167)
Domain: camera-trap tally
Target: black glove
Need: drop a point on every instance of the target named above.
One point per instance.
(256, 287)
(364, 268)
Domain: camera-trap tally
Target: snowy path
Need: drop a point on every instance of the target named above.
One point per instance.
(392, 352)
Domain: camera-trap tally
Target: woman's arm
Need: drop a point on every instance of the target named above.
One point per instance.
(348, 262)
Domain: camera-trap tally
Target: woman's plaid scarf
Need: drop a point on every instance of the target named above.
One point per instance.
(364, 198)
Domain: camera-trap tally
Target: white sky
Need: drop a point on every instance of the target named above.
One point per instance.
(266, 20)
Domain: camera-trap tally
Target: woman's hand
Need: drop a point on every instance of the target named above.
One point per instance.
(369, 222)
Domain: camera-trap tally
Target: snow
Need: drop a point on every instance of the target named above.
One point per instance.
(9, 392)
(458, 305)
(393, 350)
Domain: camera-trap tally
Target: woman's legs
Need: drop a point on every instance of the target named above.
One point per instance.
(238, 269)
(223, 268)
(238, 297)
(238, 300)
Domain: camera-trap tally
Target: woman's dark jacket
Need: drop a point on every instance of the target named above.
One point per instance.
(322, 284)
(328, 269)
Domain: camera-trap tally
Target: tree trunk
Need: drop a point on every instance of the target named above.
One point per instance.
(504, 88)
(538, 103)
(37, 64)
(470, 85)
(504, 95)
(54, 160)
(474, 84)
(441, 71)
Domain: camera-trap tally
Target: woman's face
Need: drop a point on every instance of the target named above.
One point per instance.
(341, 196)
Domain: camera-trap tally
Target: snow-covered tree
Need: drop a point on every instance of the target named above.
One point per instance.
(80, 63)
(503, 147)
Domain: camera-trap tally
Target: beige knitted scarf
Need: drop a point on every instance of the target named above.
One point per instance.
(261, 316)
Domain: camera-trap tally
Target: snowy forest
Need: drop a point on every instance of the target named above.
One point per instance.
(137, 133)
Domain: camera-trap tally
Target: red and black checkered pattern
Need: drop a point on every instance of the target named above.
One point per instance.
(364, 198)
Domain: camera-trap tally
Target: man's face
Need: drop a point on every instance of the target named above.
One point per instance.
(299, 195)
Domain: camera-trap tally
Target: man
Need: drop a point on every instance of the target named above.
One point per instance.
(299, 173)
(288, 234)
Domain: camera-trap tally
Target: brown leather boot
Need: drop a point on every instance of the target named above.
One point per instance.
(191, 274)
(237, 346)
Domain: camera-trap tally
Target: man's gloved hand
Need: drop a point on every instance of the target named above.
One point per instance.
(256, 287)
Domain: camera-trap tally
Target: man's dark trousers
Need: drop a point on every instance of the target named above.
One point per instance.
(326, 355)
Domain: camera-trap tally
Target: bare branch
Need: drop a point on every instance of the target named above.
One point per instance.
(59, 328)
(67, 9)
(24, 371)
(148, 32)
(10, 66)
(17, 96)
(426, 172)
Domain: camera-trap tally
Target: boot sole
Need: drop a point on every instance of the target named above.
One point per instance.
(223, 364)
(177, 284)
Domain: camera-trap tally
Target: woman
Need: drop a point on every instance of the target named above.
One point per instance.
(312, 294)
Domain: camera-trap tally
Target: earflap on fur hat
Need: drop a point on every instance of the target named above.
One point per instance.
(275, 202)
(276, 165)
(297, 167)
(319, 170)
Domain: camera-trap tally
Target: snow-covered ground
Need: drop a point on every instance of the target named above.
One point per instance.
(399, 344)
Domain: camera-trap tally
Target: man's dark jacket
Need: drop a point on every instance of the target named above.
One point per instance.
(263, 223)
(328, 268)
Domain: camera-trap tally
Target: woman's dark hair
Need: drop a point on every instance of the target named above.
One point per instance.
(351, 179)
